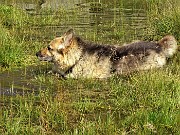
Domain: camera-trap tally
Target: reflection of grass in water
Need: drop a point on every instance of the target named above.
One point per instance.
(141, 103)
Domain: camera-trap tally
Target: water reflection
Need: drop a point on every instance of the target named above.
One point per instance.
(99, 15)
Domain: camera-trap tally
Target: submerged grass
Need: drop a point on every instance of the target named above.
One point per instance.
(140, 103)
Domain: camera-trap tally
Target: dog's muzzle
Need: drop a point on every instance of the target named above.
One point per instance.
(44, 57)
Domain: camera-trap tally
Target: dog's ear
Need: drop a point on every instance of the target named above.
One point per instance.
(67, 39)
(70, 31)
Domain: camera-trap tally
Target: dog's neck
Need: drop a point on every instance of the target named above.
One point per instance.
(71, 57)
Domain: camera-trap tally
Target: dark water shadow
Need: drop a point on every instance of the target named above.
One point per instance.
(19, 81)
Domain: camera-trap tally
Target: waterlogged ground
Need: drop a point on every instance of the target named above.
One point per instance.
(33, 101)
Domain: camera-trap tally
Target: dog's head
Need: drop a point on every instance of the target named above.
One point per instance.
(62, 51)
(56, 48)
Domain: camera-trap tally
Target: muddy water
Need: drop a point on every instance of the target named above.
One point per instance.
(100, 18)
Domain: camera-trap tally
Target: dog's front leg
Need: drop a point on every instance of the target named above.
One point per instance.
(70, 75)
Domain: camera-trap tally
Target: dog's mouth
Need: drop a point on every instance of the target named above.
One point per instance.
(46, 58)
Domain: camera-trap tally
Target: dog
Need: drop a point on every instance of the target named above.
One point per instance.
(75, 58)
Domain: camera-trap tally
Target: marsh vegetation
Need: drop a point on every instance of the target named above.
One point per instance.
(34, 102)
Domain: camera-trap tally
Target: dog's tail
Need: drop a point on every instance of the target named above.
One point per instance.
(169, 45)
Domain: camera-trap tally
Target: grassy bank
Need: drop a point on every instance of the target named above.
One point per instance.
(140, 103)
(13, 46)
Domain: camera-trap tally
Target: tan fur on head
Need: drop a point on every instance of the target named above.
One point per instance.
(45, 52)
(61, 44)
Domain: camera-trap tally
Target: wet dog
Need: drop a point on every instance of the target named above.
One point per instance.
(73, 57)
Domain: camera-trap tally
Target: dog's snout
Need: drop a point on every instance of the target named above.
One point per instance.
(38, 53)
(43, 57)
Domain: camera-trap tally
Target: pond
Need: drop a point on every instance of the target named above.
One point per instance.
(101, 21)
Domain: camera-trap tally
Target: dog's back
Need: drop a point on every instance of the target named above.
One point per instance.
(136, 56)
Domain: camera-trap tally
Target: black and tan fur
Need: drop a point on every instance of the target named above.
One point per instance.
(73, 57)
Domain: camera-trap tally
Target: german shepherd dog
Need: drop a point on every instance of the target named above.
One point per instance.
(73, 57)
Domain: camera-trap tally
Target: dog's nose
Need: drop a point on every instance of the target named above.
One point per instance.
(38, 54)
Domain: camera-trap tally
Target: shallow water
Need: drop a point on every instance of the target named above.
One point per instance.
(98, 19)
(20, 81)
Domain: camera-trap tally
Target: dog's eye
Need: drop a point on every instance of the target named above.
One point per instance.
(49, 48)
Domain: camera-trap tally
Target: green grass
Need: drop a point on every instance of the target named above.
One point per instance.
(164, 18)
(12, 53)
(140, 103)
(12, 17)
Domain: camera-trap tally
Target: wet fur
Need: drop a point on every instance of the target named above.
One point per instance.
(73, 57)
